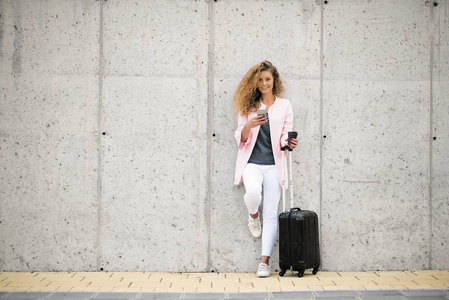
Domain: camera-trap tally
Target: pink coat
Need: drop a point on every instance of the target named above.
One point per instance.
(281, 122)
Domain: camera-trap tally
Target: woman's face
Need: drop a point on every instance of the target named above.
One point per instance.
(266, 81)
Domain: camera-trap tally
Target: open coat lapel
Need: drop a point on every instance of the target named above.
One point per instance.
(281, 122)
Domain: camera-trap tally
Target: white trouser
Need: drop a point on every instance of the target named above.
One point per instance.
(254, 177)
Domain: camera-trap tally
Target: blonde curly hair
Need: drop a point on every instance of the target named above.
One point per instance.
(247, 97)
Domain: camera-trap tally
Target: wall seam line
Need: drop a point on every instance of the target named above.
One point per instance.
(99, 135)
(321, 126)
(210, 109)
(432, 27)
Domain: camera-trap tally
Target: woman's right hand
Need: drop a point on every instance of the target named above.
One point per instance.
(256, 121)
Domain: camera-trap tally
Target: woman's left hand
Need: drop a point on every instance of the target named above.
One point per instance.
(293, 143)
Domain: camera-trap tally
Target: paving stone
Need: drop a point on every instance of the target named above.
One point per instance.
(248, 295)
(426, 298)
(123, 296)
(252, 298)
(293, 295)
(418, 293)
(27, 295)
(204, 296)
(162, 296)
(383, 297)
(294, 298)
(71, 295)
(381, 293)
(339, 298)
(337, 294)
(13, 297)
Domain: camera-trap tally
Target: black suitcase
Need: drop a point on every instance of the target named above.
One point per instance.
(298, 233)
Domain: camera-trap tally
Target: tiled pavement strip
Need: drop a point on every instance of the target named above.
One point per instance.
(388, 285)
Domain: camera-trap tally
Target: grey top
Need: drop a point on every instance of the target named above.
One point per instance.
(263, 152)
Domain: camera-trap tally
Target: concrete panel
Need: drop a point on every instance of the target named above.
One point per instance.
(51, 37)
(376, 40)
(154, 152)
(156, 38)
(376, 174)
(245, 33)
(440, 128)
(48, 122)
(284, 32)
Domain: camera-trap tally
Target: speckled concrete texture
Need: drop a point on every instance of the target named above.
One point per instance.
(376, 172)
(154, 151)
(375, 176)
(116, 131)
(48, 141)
(440, 132)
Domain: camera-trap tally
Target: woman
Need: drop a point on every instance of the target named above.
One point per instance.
(260, 139)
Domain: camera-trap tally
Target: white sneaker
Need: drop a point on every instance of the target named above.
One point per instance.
(263, 270)
(254, 226)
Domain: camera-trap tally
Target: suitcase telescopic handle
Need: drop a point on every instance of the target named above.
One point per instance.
(283, 178)
(291, 134)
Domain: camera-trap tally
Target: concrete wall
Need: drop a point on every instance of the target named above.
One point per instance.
(116, 131)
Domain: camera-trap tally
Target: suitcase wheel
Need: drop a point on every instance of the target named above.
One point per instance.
(301, 273)
(282, 272)
(315, 270)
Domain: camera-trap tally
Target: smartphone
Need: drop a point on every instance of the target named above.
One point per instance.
(260, 112)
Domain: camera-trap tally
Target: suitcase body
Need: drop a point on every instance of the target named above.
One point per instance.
(298, 232)
(298, 241)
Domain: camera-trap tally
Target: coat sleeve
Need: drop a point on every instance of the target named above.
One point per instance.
(242, 120)
(288, 124)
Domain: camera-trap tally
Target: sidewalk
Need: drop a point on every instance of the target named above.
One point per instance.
(139, 282)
